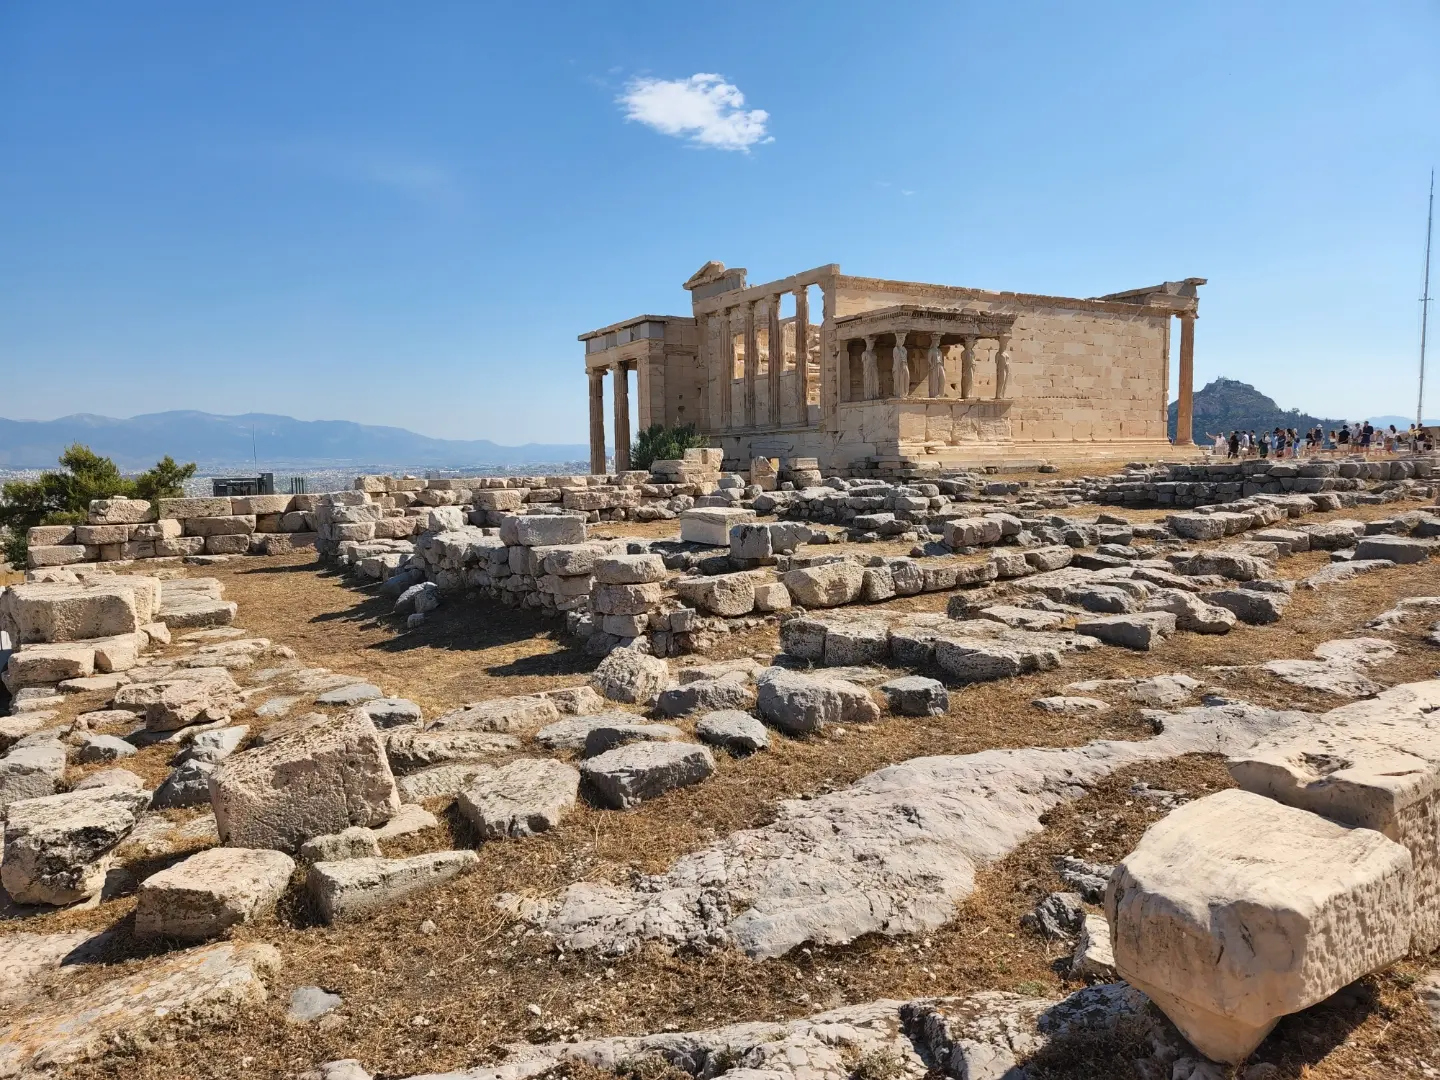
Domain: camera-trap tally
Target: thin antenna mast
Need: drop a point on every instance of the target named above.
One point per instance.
(1425, 301)
(255, 453)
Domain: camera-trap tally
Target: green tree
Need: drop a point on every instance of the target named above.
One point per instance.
(63, 497)
(659, 443)
(165, 481)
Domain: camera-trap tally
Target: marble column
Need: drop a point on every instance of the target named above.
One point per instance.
(752, 362)
(776, 363)
(936, 359)
(1185, 408)
(870, 370)
(727, 369)
(705, 359)
(597, 420)
(622, 417)
(802, 356)
(900, 367)
(1002, 367)
(967, 367)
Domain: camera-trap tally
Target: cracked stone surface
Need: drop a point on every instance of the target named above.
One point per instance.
(982, 1036)
(890, 854)
(210, 983)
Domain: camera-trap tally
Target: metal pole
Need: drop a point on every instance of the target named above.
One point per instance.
(1425, 301)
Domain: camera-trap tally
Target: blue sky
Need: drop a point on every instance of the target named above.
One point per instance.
(405, 213)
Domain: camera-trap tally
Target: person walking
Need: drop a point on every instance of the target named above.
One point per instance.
(1234, 444)
(1390, 437)
(1264, 446)
(1342, 441)
(1367, 436)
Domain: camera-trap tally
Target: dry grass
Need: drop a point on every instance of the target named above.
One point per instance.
(472, 980)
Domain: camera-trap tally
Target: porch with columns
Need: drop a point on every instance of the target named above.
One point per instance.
(621, 418)
(787, 379)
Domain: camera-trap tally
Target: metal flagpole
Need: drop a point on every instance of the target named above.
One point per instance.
(1425, 301)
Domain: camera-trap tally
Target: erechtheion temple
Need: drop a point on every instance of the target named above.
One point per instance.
(898, 375)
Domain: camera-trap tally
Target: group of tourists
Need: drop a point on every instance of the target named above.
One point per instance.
(1357, 438)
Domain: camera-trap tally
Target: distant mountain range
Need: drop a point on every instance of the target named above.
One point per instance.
(272, 441)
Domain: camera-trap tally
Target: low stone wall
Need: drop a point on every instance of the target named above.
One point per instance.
(1185, 485)
(128, 529)
(378, 508)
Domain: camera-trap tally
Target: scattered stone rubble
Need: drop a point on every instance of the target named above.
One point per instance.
(1332, 834)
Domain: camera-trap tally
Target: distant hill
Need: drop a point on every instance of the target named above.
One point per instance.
(1227, 404)
(137, 443)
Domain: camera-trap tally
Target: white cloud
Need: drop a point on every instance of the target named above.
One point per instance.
(703, 108)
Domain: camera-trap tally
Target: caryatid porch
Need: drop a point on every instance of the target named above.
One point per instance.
(905, 351)
(918, 366)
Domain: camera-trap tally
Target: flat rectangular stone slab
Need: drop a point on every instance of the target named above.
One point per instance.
(344, 890)
(211, 891)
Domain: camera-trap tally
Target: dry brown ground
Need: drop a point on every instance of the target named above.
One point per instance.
(469, 984)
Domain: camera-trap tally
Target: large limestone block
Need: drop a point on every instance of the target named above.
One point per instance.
(229, 525)
(723, 594)
(57, 848)
(214, 982)
(410, 751)
(39, 665)
(540, 530)
(625, 599)
(102, 534)
(524, 712)
(1196, 526)
(50, 535)
(711, 524)
(200, 696)
(316, 780)
(54, 612)
(59, 555)
(354, 887)
(1373, 765)
(826, 585)
(30, 772)
(526, 797)
(629, 775)
(1140, 631)
(261, 504)
(196, 612)
(799, 704)
(627, 569)
(1236, 910)
(1398, 549)
(1050, 558)
(971, 532)
(120, 511)
(219, 506)
(630, 676)
(206, 894)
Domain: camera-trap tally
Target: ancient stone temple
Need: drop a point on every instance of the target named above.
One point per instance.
(865, 373)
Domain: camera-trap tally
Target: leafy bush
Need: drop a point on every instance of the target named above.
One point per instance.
(659, 443)
(63, 497)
